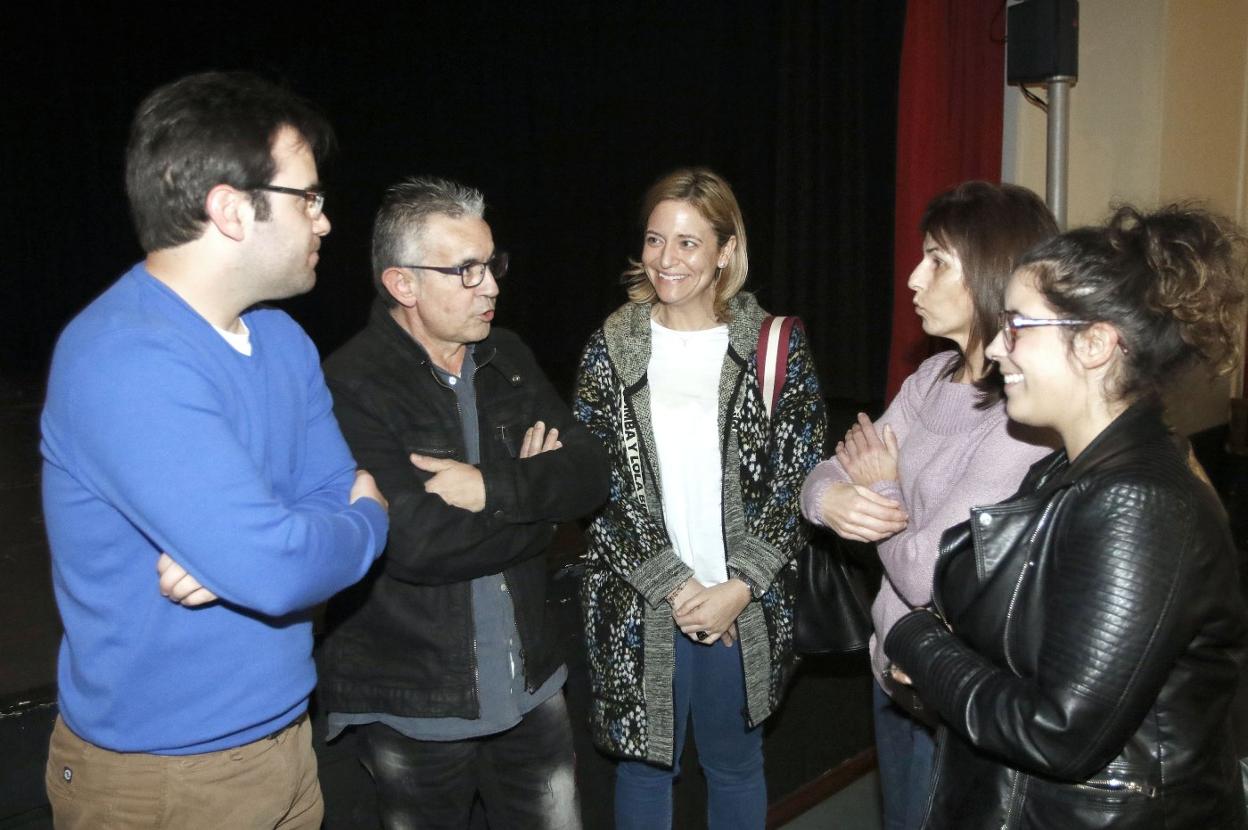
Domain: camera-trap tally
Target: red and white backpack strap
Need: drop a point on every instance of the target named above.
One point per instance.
(773, 357)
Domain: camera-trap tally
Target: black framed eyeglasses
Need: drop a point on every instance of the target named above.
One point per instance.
(1011, 323)
(471, 274)
(314, 200)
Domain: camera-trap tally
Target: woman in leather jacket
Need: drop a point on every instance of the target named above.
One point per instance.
(1086, 634)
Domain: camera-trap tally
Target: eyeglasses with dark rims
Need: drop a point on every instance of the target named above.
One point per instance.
(314, 200)
(471, 274)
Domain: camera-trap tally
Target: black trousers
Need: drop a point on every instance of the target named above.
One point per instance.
(526, 776)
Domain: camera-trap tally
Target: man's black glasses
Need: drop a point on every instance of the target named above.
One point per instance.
(314, 200)
(471, 274)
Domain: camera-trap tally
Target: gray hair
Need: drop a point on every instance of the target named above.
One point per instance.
(405, 209)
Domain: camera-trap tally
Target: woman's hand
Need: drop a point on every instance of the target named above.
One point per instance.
(687, 591)
(898, 675)
(712, 611)
(866, 456)
(859, 514)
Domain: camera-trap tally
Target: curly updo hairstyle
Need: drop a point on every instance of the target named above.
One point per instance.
(1171, 282)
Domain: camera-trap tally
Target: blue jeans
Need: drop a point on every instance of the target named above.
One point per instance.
(526, 776)
(905, 749)
(709, 686)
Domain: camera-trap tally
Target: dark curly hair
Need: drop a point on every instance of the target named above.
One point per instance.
(1171, 282)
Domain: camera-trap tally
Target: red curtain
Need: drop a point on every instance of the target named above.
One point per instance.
(948, 130)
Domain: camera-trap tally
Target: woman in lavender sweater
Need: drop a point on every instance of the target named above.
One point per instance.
(943, 446)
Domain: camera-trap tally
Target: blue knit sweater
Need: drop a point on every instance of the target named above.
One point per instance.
(158, 436)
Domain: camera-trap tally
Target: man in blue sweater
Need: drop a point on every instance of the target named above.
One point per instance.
(190, 450)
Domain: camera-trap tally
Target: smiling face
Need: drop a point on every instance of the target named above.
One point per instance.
(681, 254)
(285, 246)
(941, 298)
(1044, 386)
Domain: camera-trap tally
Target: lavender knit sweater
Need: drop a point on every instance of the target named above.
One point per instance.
(952, 457)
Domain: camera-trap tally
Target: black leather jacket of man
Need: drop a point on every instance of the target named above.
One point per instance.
(402, 641)
(1097, 628)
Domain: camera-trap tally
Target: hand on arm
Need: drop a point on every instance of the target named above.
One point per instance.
(867, 457)
(179, 586)
(860, 514)
(687, 590)
(713, 610)
(538, 439)
(1070, 717)
(432, 540)
(291, 546)
(462, 485)
(365, 487)
(456, 483)
(182, 588)
(896, 673)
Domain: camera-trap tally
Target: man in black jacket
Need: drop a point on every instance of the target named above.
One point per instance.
(444, 658)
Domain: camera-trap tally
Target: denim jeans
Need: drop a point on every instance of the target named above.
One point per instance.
(526, 776)
(905, 749)
(709, 686)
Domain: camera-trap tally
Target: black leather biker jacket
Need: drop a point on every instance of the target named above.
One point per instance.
(1097, 632)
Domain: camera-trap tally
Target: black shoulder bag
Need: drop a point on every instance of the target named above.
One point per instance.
(832, 612)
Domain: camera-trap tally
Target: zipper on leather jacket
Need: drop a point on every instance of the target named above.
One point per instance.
(1009, 804)
(1018, 587)
(1120, 785)
(476, 669)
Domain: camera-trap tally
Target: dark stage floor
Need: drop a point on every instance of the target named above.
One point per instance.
(29, 626)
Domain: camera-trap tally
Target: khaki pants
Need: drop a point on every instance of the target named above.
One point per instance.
(269, 783)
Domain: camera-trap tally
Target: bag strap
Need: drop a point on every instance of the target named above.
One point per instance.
(773, 356)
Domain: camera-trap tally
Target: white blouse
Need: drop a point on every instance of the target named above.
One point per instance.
(684, 403)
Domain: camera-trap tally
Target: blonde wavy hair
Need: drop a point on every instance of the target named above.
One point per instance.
(713, 199)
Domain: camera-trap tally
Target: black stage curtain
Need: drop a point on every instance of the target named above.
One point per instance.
(835, 152)
(562, 116)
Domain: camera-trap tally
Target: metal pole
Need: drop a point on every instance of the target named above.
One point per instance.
(1058, 146)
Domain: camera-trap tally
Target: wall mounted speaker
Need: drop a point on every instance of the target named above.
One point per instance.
(1043, 40)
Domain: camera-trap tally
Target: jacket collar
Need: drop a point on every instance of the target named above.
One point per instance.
(1140, 423)
(627, 332)
(395, 337)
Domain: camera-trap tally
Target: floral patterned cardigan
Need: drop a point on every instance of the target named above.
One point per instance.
(631, 565)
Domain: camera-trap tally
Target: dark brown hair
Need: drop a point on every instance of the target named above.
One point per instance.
(989, 227)
(1171, 282)
(201, 131)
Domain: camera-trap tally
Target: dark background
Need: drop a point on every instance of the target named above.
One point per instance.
(562, 115)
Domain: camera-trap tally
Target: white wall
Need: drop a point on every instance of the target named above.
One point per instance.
(1159, 113)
